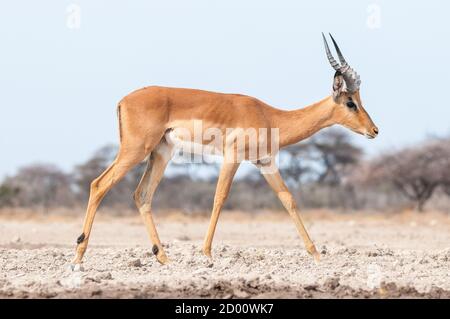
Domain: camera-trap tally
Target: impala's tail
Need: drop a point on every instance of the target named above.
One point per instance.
(120, 123)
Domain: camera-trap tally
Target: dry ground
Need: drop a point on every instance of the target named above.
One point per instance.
(373, 256)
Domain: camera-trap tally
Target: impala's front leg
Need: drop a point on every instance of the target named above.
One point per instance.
(223, 188)
(273, 177)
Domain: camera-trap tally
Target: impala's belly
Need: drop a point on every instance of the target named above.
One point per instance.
(196, 137)
(204, 137)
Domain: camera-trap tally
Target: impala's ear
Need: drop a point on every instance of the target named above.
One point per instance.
(338, 85)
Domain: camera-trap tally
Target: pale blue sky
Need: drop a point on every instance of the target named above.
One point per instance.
(60, 86)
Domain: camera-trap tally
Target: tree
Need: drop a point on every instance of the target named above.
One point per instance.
(39, 185)
(324, 158)
(336, 152)
(7, 195)
(294, 164)
(445, 165)
(414, 172)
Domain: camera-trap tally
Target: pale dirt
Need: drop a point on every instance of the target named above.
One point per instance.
(253, 257)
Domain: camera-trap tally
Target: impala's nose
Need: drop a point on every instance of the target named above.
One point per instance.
(372, 133)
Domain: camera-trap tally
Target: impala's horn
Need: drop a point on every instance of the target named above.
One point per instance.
(352, 79)
(332, 61)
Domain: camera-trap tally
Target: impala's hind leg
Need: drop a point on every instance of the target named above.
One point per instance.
(143, 195)
(99, 187)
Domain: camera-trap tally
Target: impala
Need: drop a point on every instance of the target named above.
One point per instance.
(152, 119)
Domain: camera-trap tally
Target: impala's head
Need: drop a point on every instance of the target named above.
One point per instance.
(348, 107)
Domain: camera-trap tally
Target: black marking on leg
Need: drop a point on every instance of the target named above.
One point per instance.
(155, 250)
(81, 238)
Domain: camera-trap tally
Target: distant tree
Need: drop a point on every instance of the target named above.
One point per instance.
(294, 164)
(415, 172)
(336, 153)
(43, 185)
(445, 165)
(7, 195)
(446, 189)
(325, 158)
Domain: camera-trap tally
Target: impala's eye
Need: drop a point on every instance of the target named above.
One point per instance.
(351, 105)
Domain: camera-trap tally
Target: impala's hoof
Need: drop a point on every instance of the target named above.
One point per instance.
(207, 252)
(314, 253)
(316, 257)
(76, 268)
(160, 255)
(162, 258)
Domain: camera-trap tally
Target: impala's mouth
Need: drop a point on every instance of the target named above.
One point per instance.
(357, 132)
(367, 135)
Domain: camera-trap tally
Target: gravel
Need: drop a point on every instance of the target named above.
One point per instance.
(254, 258)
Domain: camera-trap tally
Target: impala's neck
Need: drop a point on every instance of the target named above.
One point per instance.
(299, 124)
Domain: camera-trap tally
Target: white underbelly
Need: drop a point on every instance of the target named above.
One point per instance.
(187, 139)
(190, 146)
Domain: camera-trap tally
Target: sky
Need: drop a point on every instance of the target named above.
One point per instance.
(64, 65)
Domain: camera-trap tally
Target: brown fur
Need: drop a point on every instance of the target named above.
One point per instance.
(147, 114)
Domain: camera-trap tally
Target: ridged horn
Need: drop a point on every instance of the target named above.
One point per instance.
(352, 79)
(331, 59)
(338, 51)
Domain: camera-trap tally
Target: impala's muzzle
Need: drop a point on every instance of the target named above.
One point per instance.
(372, 134)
